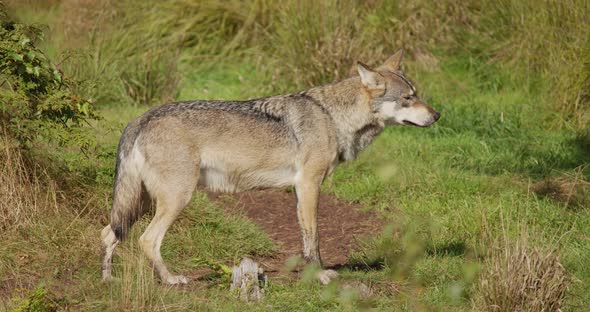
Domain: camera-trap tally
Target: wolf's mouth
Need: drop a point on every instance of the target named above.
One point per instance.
(409, 123)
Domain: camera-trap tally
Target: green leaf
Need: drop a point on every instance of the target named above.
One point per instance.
(85, 109)
(36, 71)
(57, 75)
(15, 56)
(25, 41)
(226, 269)
(31, 55)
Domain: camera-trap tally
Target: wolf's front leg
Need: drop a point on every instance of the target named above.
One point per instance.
(307, 210)
(308, 191)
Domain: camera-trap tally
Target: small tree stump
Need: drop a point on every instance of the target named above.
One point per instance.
(248, 281)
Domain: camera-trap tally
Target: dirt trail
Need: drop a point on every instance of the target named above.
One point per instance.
(275, 211)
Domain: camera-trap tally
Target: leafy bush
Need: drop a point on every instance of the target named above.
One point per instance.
(40, 108)
(36, 100)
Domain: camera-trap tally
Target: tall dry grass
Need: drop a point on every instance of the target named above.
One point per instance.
(22, 195)
(296, 43)
(548, 38)
(520, 273)
(34, 3)
(571, 190)
(134, 45)
(140, 289)
(137, 44)
(84, 19)
(121, 59)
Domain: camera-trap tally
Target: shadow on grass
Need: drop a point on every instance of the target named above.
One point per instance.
(374, 265)
(452, 249)
(582, 142)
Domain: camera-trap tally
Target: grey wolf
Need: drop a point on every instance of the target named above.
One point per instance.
(279, 141)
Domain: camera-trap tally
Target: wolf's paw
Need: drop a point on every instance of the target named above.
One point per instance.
(176, 280)
(326, 276)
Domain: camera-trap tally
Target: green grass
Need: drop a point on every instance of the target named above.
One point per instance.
(473, 169)
(224, 82)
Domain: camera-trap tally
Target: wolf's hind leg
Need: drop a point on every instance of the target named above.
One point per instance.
(110, 242)
(170, 199)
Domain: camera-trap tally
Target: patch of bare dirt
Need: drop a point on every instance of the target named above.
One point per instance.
(339, 223)
(573, 192)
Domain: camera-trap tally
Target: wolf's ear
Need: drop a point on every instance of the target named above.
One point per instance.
(393, 62)
(370, 78)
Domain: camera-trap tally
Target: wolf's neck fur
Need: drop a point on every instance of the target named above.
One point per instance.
(349, 105)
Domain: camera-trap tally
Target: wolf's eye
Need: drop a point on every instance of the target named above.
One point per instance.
(407, 97)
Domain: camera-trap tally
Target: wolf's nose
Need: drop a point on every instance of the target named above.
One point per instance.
(436, 116)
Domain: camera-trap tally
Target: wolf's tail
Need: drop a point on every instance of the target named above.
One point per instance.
(128, 189)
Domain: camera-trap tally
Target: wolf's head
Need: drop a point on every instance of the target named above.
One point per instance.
(393, 96)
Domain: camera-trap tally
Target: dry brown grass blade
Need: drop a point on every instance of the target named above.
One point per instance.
(519, 275)
(22, 196)
(570, 188)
